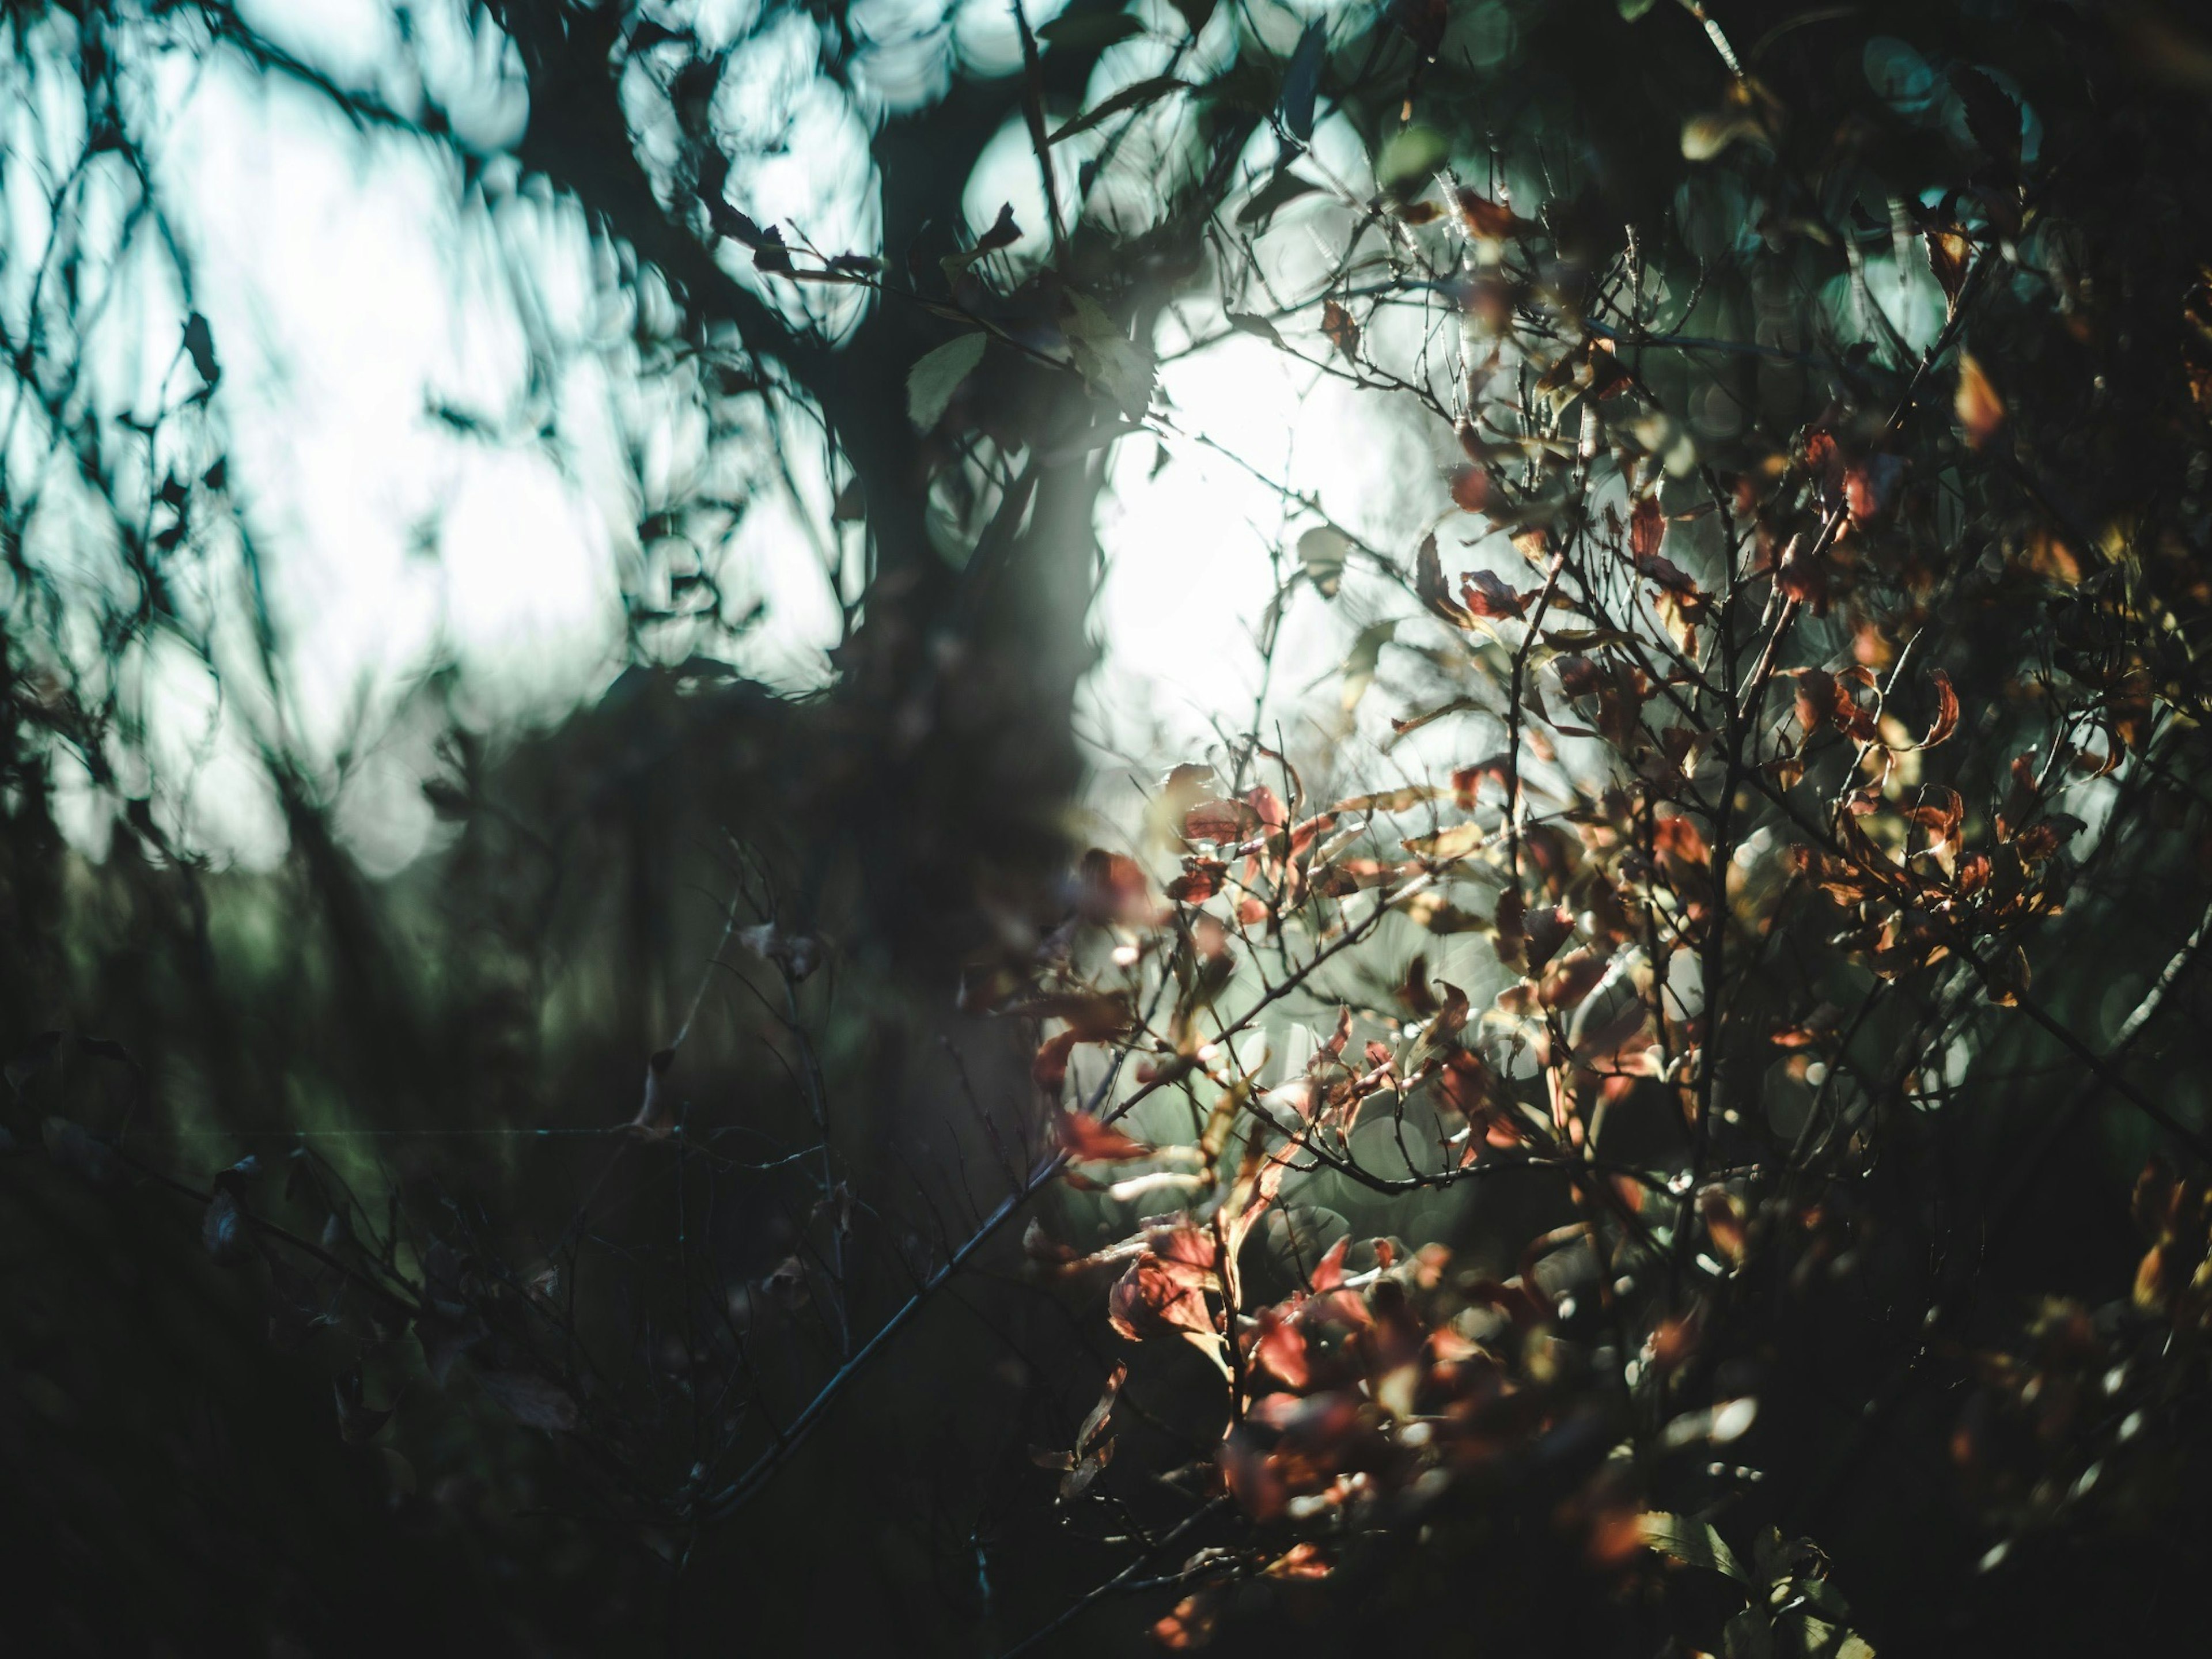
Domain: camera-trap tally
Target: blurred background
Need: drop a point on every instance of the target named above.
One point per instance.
(530, 742)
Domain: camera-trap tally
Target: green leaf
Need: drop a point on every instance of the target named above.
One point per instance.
(1088, 31)
(1107, 357)
(1410, 159)
(931, 382)
(1693, 1542)
(1130, 97)
(1632, 10)
(1302, 82)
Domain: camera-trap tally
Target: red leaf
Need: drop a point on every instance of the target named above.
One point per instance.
(1199, 881)
(1486, 596)
(1328, 1272)
(1084, 1138)
(1471, 488)
(1268, 806)
(1647, 528)
(1049, 1068)
(1281, 1348)
(1156, 1298)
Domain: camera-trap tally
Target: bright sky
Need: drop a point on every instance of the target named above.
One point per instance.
(352, 287)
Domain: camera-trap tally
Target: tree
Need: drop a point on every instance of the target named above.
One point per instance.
(1675, 1048)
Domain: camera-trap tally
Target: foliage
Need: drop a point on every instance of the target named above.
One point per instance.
(1635, 1127)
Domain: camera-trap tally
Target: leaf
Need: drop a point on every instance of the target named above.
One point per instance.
(1301, 82)
(1992, 118)
(1705, 136)
(1282, 189)
(1200, 880)
(1217, 821)
(1160, 1297)
(1088, 31)
(931, 381)
(1134, 96)
(1947, 710)
(1102, 1410)
(532, 1400)
(1366, 653)
(1410, 159)
(1647, 527)
(1487, 220)
(1085, 1139)
(1389, 800)
(224, 1229)
(357, 1423)
(1429, 584)
(1106, 356)
(1004, 233)
(1078, 1479)
(1632, 10)
(199, 346)
(1691, 1542)
(1280, 1347)
(1981, 411)
(1049, 1069)
(1486, 596)
(1447, 845)
(1949, 254)
(1323, 552)
(1471, 489)
(1724, 1221)
(1343, 332)
(1259, 327)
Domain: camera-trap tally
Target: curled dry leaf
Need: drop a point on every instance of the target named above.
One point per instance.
(1077, 1480)
(1947, 710)
(1095, 1423)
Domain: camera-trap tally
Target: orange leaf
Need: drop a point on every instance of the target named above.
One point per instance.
(1083, 1137)
(1981, 411)
(1049, 1068)
(1343, 333)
